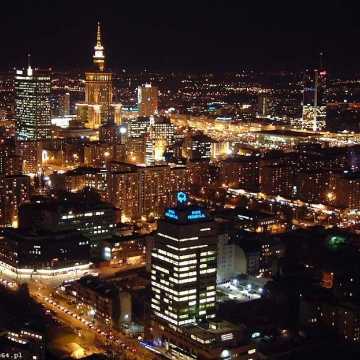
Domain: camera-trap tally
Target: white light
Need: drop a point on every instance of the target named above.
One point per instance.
(225, 353)
(226, 337)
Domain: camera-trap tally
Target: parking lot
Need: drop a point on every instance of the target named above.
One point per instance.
(240, 291)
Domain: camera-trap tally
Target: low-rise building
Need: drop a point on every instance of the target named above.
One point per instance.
(108, 303)
(44, 253)
(127, 249)
(251, 220)
(215, 340)
(83, 211)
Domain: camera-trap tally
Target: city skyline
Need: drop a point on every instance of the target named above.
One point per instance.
(179, 181)
(206, 37)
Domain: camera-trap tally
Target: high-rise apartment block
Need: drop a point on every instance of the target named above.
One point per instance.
(14, 190)
(240, 172)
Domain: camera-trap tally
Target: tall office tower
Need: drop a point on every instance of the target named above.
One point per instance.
(160, 136)
(65, 102)
(183, 266)
(147, 100)
(98, 108)
(59, 104)
(308, 89)
(32, 89)
(314, 104)
(264, 105)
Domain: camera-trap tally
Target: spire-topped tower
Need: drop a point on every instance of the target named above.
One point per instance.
(99, 57)
(98, 108)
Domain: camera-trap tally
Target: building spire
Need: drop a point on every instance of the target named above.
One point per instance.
(321, 62)
(29, 69)
(98, 35)
(99, 57)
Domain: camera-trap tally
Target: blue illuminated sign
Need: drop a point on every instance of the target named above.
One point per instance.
(196, 214)
(171, 213)
(182, 197)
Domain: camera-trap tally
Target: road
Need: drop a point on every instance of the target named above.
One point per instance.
(12, 285)
(111, 339)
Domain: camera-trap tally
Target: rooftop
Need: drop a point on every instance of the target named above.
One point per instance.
(100, 286)
(84, 170)
(21, 234)
(71, 203)
(243, 214)
(186, 214)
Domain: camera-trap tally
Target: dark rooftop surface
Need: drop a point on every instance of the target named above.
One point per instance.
(42, 235)
(243, 214)
(102, 287)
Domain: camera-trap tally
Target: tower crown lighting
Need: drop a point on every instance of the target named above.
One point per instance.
(99, 57)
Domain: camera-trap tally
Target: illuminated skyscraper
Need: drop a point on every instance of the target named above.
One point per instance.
(264, 105)
(160, 136)
(65, 102)
(183, 266)
(33, 120)
(147, 100)
(314, 105)
(98, 108)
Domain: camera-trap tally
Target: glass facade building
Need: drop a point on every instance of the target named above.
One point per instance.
(183, 266)
(33, 119)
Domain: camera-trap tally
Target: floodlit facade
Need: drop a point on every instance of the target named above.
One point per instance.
(98, 108)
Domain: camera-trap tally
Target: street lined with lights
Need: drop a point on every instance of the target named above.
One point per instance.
(109, 337)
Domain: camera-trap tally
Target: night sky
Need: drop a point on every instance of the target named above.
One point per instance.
(183, 35)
